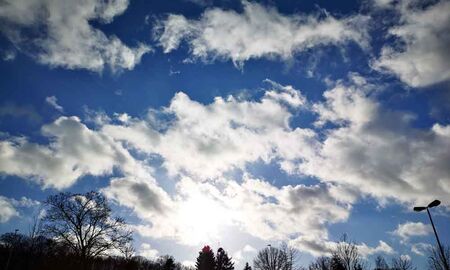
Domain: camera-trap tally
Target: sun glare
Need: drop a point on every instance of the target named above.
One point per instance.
(203, 218)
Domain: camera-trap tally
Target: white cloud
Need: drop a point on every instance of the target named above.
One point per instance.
(421, 249)
(188, 263)
(405, 257)
(62, 36)
(224, 135)
(229, 204)
(247, 253)
(410, 229)
(378, 151)
(422, 59)
(53, 101)
(142, 194)
(74, 151)
(7, 210)
(382, 247)
(148, 252)
(259, 31)
(367, 150)
(319, 246)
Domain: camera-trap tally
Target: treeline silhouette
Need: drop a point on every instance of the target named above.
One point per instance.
(20, 252)
(79, 232)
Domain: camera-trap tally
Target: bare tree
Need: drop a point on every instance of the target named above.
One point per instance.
(380, 263)
(83, 222)
(321, 263)
(435, 259)
(270, 258)
(292, 256)
(128, 251)
(348, 255)
(402, 263)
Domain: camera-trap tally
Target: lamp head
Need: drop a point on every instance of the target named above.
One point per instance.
(419, 208)
(434, 203)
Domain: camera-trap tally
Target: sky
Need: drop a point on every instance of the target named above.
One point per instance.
(232, 123)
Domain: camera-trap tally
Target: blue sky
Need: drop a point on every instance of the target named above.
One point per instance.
(232, 123)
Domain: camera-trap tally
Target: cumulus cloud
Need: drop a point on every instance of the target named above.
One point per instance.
(320, 246)
(410, 229)
(231, 204)
(422, 57)
(148, 252)
(224, 135)
(7, 210)
(74, 151)
(382, 247)
(53, 101)
(143, 195)
(378, 151)
(421, 249)
(10, 207)
(246, 251)
(367, 150)
(60, 34)
(259, 31)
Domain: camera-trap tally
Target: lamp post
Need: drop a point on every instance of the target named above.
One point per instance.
(421, 208)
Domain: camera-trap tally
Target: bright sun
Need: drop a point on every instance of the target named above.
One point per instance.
(203, 218)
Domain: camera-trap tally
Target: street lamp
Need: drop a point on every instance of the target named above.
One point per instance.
(421, 208)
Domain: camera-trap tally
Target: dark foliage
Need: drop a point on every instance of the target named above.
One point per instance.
(336, 263)
(206, 259)
(223, 262)
(25, 253)
(247, 267)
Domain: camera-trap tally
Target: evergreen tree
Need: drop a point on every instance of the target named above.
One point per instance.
(169, 264)
(223, 262)
(247, 267)
(205, 259)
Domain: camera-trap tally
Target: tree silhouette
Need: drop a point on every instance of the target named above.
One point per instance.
(84, 224)
(169, 264)
(247, 267)
(348, 254)
(205, 259)
(336, 263)
(21, 252)
(321, 263)
(381, 264)
(271, 258)
(401, 263)
(435, 259)
(291, 255)
(223, 262)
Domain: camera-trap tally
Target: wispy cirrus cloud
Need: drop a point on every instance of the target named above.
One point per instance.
(53, 101)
